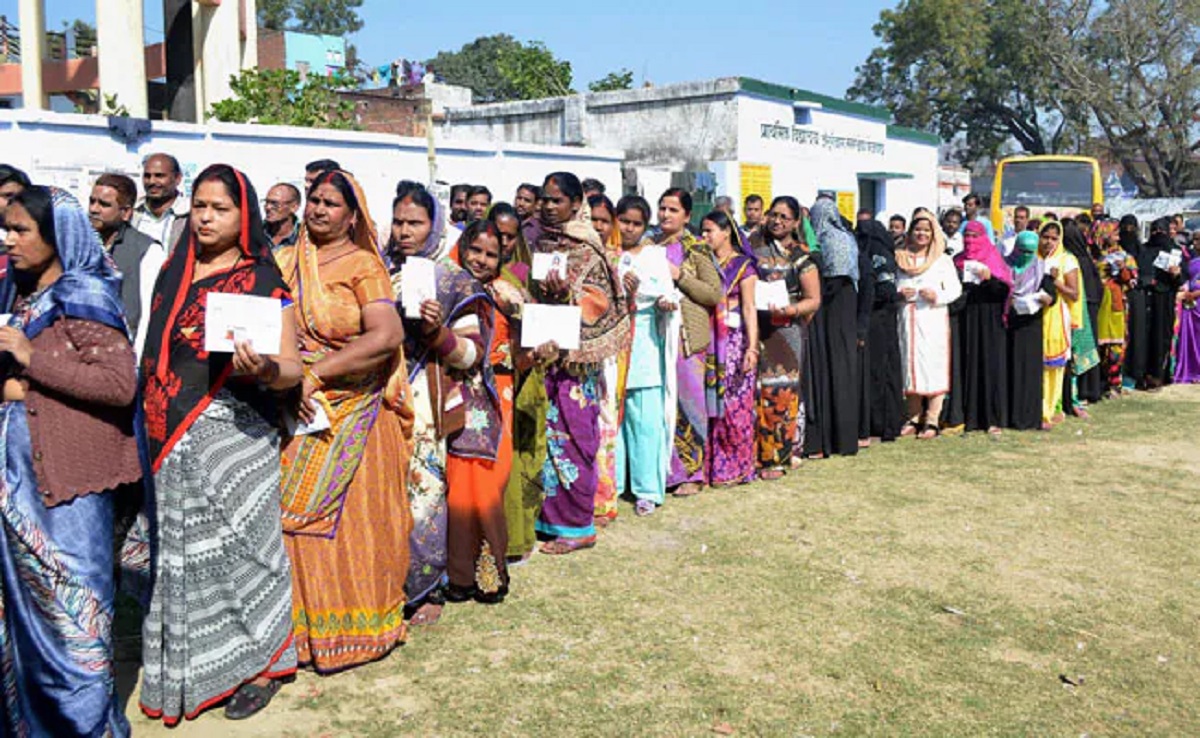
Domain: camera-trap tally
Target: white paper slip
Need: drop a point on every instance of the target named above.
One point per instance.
(5, 319)
(558, 323)
(654, 272)
(229, 318)
(319, 424)
(972, 270)
(544, 263)
(1029, 304)
(418, 283)
(770, 294)
(1163, 260)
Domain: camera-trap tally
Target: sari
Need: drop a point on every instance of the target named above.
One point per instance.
(612, 405)
(437, 388)
(56, 563)
(575, 385)
(1118, 274)
(732, 431)
(1058, 323)
(220, 608)
(780, 431)
(346, 517)
(1187, 364)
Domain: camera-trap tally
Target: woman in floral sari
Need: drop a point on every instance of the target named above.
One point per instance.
(782, 256)
(456, 410)
(68, 378)
(574, 382)
(346, 517)
(732, 431)
(1118, 274)
(615, 370)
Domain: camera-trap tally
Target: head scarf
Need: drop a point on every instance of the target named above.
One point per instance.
(978, 247)
(1106, 235)
(1160, 241)
(880, 247)
(89, 287)
(1130, 235)
(1076, 242)
(1024, 252)
(906, 259)
(839, 248)
(180, 379)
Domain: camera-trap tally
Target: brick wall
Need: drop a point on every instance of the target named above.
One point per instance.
(272, 51)
(388, 111)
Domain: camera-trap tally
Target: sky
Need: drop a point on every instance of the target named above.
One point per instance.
(801, 43)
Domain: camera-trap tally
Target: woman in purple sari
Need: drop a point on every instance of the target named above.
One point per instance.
(574, 381)
(1187, 361)
(735, 339)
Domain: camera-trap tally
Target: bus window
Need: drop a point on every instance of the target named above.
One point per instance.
(1047, 183)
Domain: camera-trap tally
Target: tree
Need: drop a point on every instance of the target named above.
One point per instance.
(277, 97)
(274, 14)
(1124, 80)
(328, 17)
(622, 80)
(499, 68)
(965, 69)
(1134, 65)
(534, 71)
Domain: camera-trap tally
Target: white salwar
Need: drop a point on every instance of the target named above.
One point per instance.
(925, 329)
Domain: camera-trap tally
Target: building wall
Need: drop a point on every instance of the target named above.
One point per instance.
(70, 151)
(322, 54)
(272, 49)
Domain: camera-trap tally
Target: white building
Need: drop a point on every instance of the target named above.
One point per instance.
(732, 136)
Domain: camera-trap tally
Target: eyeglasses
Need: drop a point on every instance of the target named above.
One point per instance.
(275, 204)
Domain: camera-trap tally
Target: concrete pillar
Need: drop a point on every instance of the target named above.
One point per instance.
(181, 60)
(121, 54)
(32, 16)
(217, 35)
(249, 22)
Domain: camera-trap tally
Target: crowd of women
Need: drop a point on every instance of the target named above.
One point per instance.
(440, 449)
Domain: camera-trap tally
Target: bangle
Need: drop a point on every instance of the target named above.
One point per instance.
(313, 378)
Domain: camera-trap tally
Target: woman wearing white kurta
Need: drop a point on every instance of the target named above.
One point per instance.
(929, 282)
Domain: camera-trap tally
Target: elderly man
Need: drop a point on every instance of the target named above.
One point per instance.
(139, 257)
(724, 203)
(279, 215)
(163, 213)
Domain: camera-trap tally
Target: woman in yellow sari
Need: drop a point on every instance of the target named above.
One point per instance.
(346, 516)
(1058, 320)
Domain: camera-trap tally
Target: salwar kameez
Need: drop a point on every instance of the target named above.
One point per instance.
(644, 448)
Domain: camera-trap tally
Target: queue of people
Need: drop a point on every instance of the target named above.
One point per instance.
(306, 508)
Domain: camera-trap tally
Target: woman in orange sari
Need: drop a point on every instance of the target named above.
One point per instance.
(346, 517)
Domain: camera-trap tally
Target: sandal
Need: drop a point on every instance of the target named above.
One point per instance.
(909, 429)
(644, 508)
(687, 489)
(930, 432)
(564, 546)
(995, 432)
(250, 699)
(429, 611)
(456, 594)
(491, 598)
(770, 475)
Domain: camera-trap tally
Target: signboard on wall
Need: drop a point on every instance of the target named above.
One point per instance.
(756, 180)
(847, 205)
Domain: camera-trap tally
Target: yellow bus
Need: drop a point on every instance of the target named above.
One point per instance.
(1064, 185)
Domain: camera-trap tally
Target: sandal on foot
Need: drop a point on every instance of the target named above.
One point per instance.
(491, 598)
(930, 432)
(770, 475)
(250, 699)
(564, 546)
(427, 614)
(644, 508)
(456, 594)
(909, 429)
(687, 489)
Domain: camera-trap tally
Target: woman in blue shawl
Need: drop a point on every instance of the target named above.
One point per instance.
(56, 558)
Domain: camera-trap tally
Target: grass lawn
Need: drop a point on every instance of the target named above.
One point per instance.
(1045, 584)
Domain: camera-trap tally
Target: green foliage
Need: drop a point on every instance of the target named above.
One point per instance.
(534, 71)
(274, 14)
(329, 17)
(1120, 78)
(622, 80)
(112, 106)
(499, 68)
(277, 97)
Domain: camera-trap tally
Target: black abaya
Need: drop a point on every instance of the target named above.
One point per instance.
(984, 387)
(887, 377)
(1025, 367)
(953, 414)
(1090, 384)
(1137, 334)
(831, 384)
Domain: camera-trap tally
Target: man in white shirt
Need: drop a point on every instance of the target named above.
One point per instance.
(1020, 223)
(139, 257)
(162, 213)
